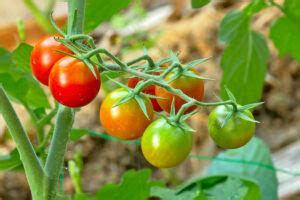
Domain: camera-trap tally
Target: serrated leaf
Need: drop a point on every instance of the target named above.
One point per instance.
(243, 61)
(21, 56)
(135, 185)
(98, 11)
(246, 117)
(256, 151)
(290, 43)
(168, 194)
(142, 104)
(17, 79)
(250, 106)
(210, 187)
(231, 189)
(199, 3)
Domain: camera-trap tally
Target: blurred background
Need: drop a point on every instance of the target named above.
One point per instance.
(161, 25)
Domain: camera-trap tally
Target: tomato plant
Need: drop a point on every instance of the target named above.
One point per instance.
(72, 83)
(148, 90)
(130, 119)
(191, 86)
(233, 133)
(73, 75)
(44, 56)
(166, 145)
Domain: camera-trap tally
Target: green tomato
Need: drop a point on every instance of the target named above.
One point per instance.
(235, 133)
(165, 145)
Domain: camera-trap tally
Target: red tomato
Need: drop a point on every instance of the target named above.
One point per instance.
(125, 121)
(72, 83)
(192, 87)
(44, 56)
(148, 90)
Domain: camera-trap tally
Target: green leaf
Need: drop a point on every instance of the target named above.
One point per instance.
(199, 3)
(135, 185)
(17, 79)
(258, 156)
(292, 9)
(21, 56)
(243, 61)
(231, 189)
(98, 11)
(285, 36)
(232, 24)
(220, 187)
(11, 161)
(255, 6)
(168, 194)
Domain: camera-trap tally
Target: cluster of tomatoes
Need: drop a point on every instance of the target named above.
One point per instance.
(163, 144)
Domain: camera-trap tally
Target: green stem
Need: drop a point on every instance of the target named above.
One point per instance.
(64, 123)
(32, 165)
(41, 18)
(50, 6)
(75, 16)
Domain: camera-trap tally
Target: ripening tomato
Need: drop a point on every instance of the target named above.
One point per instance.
(192, 87)
(44, 56)
(235, 133)
(148, 90)
(165, 145)
(125, 121)
(72, 83)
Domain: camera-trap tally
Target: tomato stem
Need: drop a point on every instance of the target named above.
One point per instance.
(31, 163)
(64, 123)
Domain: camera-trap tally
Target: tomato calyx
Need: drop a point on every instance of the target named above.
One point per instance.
(238, 110)
(178, 121)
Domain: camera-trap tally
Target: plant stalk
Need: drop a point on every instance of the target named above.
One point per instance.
(64, 123)
(33, 168)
